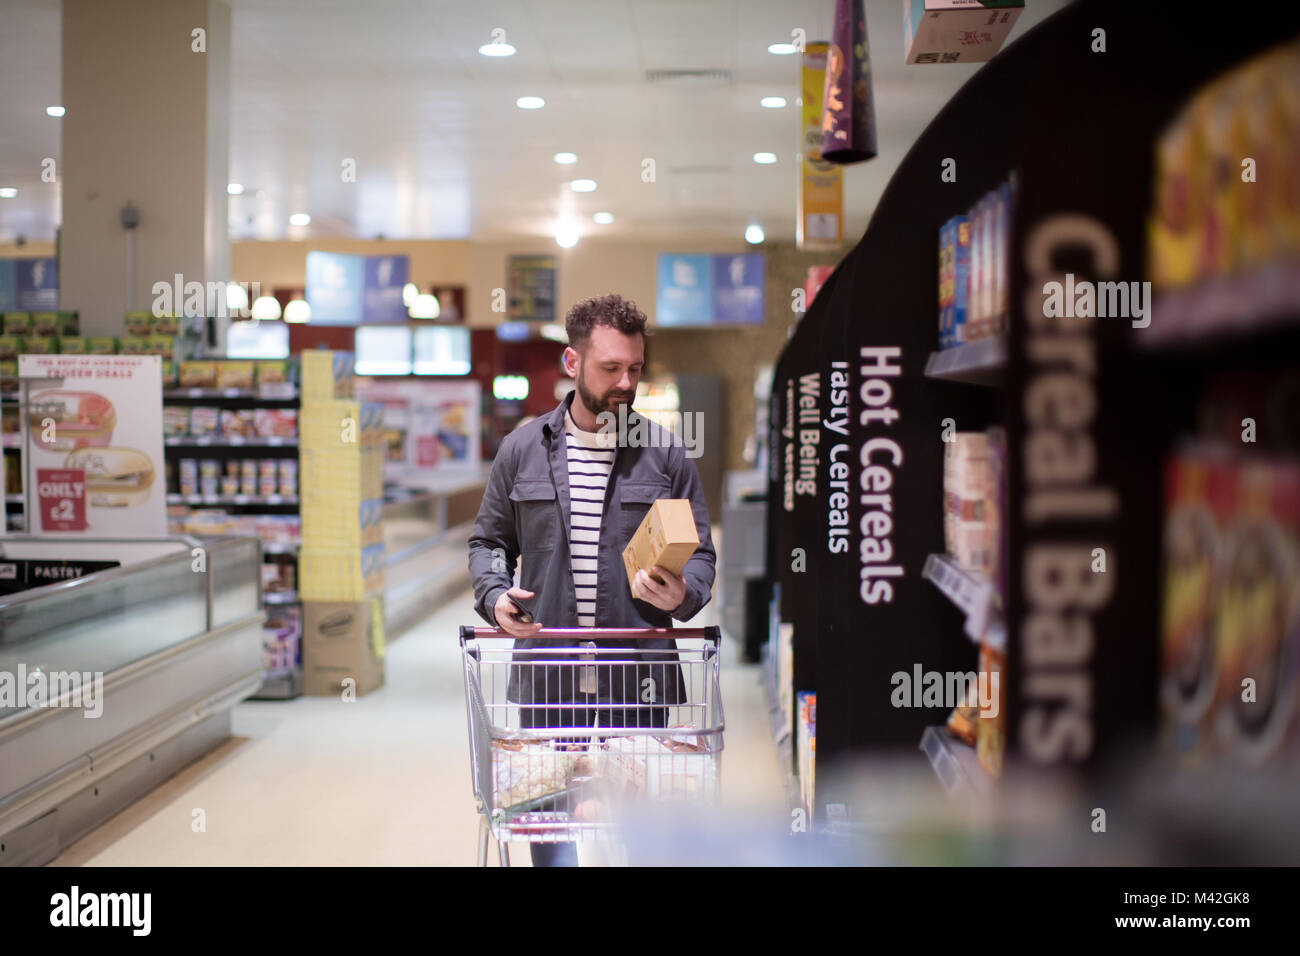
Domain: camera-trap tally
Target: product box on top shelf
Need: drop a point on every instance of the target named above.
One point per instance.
(343, 641)
(17, 323)
(198, 374)
(138, 324)
(957, 31)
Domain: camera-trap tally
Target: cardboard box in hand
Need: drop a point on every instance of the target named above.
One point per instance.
(667, 537)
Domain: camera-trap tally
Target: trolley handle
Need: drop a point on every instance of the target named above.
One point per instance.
(712, 634)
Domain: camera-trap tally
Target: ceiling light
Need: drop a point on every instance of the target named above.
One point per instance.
(566, 159)
(497, 49)
(782, 49)
(236, 299)
(530, 102)
(55, 111)
(754, 234)
(765, 159)
(425, 306)
(297, 310)
(583, 185)
(604, 218)
(8, 192)
(409, 292)
(235, 189)
(266, 308)
(772, 102)
(566, 234)
(300, 219)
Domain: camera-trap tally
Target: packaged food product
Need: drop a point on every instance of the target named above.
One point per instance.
(74, 345)
(176, 421)
(198, 374)
(273, 373)
(8, 375)
(281, 638)
(168, 373)
(18, 323)
(138, 323)
(238, 422)
(102, 345)
(164, 325)
(248, 476)
(524, 771)
(205, 421)
(134, 345)
(1002, 259)
(276, 422)
(74, 419)
(230, 468)
(266, 487)
(235, 374)
(1257, 622)
(115, 477)
(288, 476)
(990, 742)
(229, 486)
(41, 345)
(189, 476)
(164, 345)
(966, 487)
(45, 323)
(209, 476)
(1217, 111)
(11, 346)
(666, 537)
(945, 291)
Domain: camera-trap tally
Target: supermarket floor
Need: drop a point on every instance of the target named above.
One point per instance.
(382, 781)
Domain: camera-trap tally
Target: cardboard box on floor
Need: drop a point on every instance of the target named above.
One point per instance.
(341, 640)
(667, 537)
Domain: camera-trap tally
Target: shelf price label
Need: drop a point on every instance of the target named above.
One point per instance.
(61, 498)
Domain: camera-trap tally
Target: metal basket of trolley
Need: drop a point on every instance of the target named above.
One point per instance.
(582, 721)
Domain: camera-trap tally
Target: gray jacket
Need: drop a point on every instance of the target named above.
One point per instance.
(525, 514)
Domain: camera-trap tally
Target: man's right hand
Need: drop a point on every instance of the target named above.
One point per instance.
(507, 614)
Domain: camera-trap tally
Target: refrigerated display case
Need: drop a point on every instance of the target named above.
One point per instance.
(168, 643)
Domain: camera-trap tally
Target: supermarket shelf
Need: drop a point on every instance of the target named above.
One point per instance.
(280, 686)
(279, 548)
(955, 764)
(246, 394)
(1238, 306)
(280, 597)
(977, 363)
(231, 441)
(972, 594)
(174, 499)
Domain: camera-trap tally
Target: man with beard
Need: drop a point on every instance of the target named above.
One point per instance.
(563, 499)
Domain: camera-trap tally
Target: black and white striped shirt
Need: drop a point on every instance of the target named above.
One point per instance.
(591, 455)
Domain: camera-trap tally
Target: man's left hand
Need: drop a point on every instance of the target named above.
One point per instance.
(667, 596)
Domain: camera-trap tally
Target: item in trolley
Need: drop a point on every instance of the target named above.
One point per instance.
(65, 421)
(526, 770)
(656, 766)
(115, 477)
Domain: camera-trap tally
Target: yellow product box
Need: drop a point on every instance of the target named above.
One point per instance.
(340, 574)
(667, 537)
(8, 375)
(18, 323)
(235, 374)
(74, 345)
(102, 345)
(164, 325)
(138, 323)
(11, 346)
(135, 345)
(164, 345)
(45, 323)
(326, 375)
(274, 373)
(41, 345)
(1177, 225)
(197, 374)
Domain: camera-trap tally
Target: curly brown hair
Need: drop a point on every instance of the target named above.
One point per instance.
(611, 310)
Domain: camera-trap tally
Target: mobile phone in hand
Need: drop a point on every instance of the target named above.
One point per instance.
(525, 615)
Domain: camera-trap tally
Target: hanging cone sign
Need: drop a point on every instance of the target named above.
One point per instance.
(848, 105)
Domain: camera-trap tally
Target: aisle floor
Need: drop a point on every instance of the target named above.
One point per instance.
(382, 781)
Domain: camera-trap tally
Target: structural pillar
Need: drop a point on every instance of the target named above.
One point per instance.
(146, 85)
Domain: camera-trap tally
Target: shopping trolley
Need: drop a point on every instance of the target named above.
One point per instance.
(587, 721)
